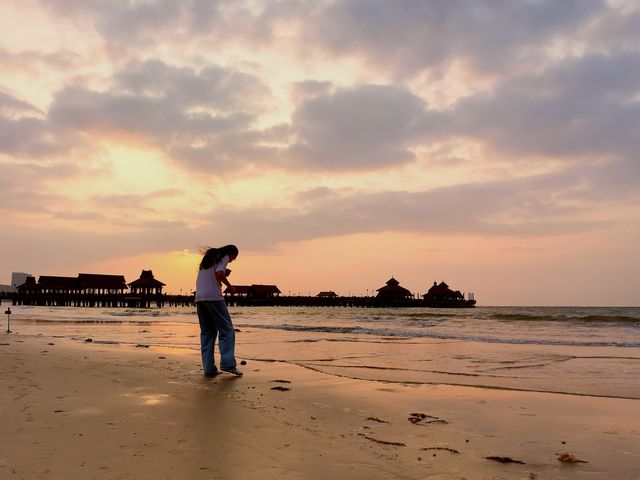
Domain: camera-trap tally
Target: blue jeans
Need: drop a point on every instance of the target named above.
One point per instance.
(214, 319)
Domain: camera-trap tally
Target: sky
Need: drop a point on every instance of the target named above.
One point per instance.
(492, 144)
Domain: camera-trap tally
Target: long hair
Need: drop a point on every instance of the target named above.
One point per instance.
(214, 255)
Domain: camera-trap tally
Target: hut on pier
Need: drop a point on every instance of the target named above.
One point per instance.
(146, 284)
(29, 286)
(329, 294)
(262, 292)
(100, 284)
(239, 291)
(254, 292)
(392, 291)
(441, 293)
(57, 284)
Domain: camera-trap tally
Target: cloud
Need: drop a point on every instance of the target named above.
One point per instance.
(34, 62)
(539, 205)
(151, 22)
(581, 106)
(85, 246)
(12, 106)
(120, 21)
(528, 206)
(212, 86)
(206, 119)
(364, 127)
(616, 29)
(132, 201)
(25, 187)
(309, 88)
(31, 137)
(156, 118)
(198, 117)
(25, 132)
(408, 36)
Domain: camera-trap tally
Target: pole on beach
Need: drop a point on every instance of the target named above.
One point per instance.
(8, 313)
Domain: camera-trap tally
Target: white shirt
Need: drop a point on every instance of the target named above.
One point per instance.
(207, 287)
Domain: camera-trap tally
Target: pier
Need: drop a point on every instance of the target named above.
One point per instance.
(124, 300)
(109, 291)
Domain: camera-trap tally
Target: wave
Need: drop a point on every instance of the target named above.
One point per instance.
(137, 313)
(560, 317)
(106, 321)
(400, 333)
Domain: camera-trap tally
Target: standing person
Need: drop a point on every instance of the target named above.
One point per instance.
(212, 311)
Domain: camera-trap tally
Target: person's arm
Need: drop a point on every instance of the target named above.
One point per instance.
(221, 277)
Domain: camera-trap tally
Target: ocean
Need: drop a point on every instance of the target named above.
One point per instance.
(588, 351)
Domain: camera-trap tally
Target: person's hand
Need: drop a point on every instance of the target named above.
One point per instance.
(230, 289)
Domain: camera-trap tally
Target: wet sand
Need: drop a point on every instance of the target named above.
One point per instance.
(71, 409)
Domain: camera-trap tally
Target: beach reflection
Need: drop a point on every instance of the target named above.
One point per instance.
(154, 399)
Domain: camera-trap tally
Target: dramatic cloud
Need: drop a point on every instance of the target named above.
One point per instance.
(526, 206)
(557, 113)
(132, 201)
(31, 62)
(11, 106)
(25, 132)
(309, 88)
(149, 22)
(552, 114)
(24, 186)
(367, 126)
(211, 86)
(197, 117)
(617, 28)
(412, 35)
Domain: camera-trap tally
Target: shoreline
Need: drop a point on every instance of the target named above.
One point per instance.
(151, 414)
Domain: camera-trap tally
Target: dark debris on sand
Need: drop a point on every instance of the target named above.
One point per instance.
(281, 389)
(383, 442)
(566, 457)
(504, 460)
(423, 419)
(447, 449)
(376, 419)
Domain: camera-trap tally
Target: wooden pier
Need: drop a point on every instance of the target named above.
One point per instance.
(105, 300)
(109, 291)
(125, 300)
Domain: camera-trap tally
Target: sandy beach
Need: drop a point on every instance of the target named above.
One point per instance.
(75, 409)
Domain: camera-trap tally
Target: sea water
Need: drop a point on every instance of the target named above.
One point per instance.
(593, 351)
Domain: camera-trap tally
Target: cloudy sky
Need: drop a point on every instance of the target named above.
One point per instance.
(494, 144)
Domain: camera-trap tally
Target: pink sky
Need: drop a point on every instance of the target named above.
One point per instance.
(337, 143)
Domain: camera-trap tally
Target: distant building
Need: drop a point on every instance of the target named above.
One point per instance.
(146, 284)
(18, 278)
(393, 291)
(329, 294)
(6, 289)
